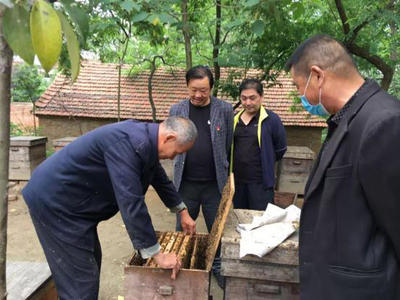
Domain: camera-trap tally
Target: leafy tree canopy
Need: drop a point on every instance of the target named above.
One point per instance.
(27, 83)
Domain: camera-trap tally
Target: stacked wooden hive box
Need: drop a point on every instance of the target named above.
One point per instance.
(274, 276)
(26, 153)
(294, 169)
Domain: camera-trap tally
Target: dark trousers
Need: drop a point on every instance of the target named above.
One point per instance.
(252, 196)
(200, 193)
(205, 194)
(76, 271)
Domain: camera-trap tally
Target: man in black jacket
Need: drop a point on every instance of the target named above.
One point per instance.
(350, 222)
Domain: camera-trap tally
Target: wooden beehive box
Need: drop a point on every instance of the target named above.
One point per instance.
(26, 153)
(274, 276)
(284, 199)
(294, 169)
(143, 280)
(61, 143)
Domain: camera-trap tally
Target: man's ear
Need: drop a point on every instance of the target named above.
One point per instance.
(320, 74)
(170, 137)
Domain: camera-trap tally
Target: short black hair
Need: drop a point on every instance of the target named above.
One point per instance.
(251, 83)
(324, 51)
(200, 72)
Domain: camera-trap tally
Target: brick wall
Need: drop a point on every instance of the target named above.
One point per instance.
(21, 114)
(59, 127)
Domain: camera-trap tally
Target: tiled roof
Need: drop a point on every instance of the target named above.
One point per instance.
(94, 95)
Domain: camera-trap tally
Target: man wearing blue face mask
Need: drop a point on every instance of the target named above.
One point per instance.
(350, 221)
(318, 109)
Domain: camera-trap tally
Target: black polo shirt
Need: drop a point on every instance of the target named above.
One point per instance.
(199, 164)
(246, 152)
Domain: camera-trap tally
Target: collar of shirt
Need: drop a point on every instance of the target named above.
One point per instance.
(334, 120)
(153, 137)
(252, 120)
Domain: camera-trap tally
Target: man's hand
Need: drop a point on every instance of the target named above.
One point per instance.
(188, 225)
(168, 261)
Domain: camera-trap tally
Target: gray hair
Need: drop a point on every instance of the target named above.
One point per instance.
(184, 128)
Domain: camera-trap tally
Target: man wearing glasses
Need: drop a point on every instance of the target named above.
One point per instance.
(201, 173)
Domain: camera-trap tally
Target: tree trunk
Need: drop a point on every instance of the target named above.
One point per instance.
(217, 44)
(186, 34)
(5, 83)
(121, 63)
(119, 93)
(150, 88)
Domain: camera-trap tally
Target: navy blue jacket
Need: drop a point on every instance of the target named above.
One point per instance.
(101, 172)
(272, 141)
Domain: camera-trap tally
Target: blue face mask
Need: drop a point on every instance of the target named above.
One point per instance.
(318, 109)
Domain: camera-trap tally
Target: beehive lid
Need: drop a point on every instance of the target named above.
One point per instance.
(220, 220)
(63, 141)
(299, 152)
(27, 141)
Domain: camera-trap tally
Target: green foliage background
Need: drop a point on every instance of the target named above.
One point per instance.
(28, 83)
(254, 33)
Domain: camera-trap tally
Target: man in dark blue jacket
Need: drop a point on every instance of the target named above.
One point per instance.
(105, 171)
(259, 141)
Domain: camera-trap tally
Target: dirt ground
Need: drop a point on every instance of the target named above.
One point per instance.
(23, 244)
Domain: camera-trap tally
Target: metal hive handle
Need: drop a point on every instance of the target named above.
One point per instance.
(166, 290)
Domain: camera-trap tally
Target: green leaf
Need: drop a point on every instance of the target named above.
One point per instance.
(7, 3)
(235, 23)
(72, 45)
(17, 33)
(298, 10)
(154, 19)
(139, 17)
(166, 18)
(258, 27)
(128, 5)
(79, 17)
(46, 33)
(136, 6)
(250, 3)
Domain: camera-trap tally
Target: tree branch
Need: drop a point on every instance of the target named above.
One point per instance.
(356, 30)
(271, 64)
(226, 34)
(199, 54)
(378, 62)
(119, 24)
(211, 36)
(349, 42)
(343, 17)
